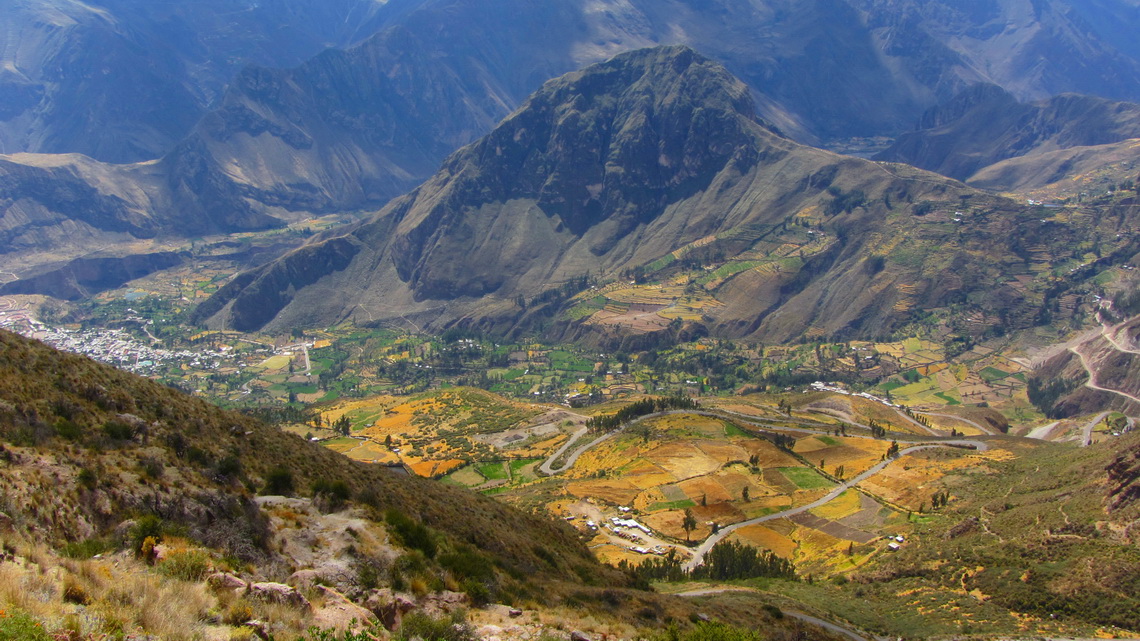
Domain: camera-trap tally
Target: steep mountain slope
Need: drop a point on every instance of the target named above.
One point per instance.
(123, 80)
(627, 166)
(349, 130)
(985, 125)
(83, 415)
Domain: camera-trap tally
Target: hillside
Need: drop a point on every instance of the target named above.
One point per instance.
(722, 224)
(119, 497)
(124, 80)
(985, 125)
(253, 146)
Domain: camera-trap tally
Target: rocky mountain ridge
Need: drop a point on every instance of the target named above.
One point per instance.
(584, 180)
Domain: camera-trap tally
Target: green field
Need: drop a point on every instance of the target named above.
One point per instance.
(493, 471)
(804, 478)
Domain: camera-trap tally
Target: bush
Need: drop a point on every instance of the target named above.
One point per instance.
(186, 565)
(279, 481)
(147, 526)
(428, 628)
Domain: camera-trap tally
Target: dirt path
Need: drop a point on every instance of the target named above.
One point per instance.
(703, 549)
(807, 618)
(1091, 384)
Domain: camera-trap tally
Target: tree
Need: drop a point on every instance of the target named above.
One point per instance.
(689, 523)
(839, 472)
(744, 493)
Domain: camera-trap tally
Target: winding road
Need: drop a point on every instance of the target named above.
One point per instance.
(703, 549)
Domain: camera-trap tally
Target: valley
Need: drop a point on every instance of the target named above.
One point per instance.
(650, 320)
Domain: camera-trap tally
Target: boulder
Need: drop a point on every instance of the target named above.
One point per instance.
(578, 635)
(390, 607)
(338, 613)
(278, 593)
(444, 602)
(225, 581)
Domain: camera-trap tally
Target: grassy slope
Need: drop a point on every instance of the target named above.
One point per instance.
(44, 392)
(1026, 545)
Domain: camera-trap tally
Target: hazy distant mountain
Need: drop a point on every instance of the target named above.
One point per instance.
(610, 169)
(123, 80)
(349, 130)
(985, 125)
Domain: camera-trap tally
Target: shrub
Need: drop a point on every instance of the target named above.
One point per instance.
(187, 565)
(279, 481)
(87, 548)
(117, 430)
(428, 628)
(238, 613)
(148, 526)
(412, 534)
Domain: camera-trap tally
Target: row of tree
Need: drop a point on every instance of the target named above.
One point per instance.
(726, 561)
(637, 409)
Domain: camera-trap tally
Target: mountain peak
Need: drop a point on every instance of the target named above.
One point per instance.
(611, 144)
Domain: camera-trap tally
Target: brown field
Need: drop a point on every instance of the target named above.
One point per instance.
(683, 459)
(723, 451)
(616, 491)
(668, 522)
(706, 487)
(912, 480)
(770, 455)
(722, 513)
(767, 539)
(870, 517)
(854, 454)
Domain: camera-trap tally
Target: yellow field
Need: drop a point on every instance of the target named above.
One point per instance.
(845, 504)
(766, 538)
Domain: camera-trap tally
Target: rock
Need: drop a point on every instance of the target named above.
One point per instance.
(701, 616)
(303, 578)
(578, 635)
(259, 629)
(123, 530)
(444, 602)
(278, 593)
(225, 581)
(514, 613)
(339, 613)
(390, 607)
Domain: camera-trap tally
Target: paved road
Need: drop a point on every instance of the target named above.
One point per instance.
(984, 429)
(703, 549)
(826, 625)
(1086, 432)
(547, 466)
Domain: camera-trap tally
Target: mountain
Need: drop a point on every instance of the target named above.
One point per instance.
(124, 80)
(986, 125)
(350, 129)
(637, 167)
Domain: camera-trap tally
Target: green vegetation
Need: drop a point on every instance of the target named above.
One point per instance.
(805, 478)
(19, 626)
